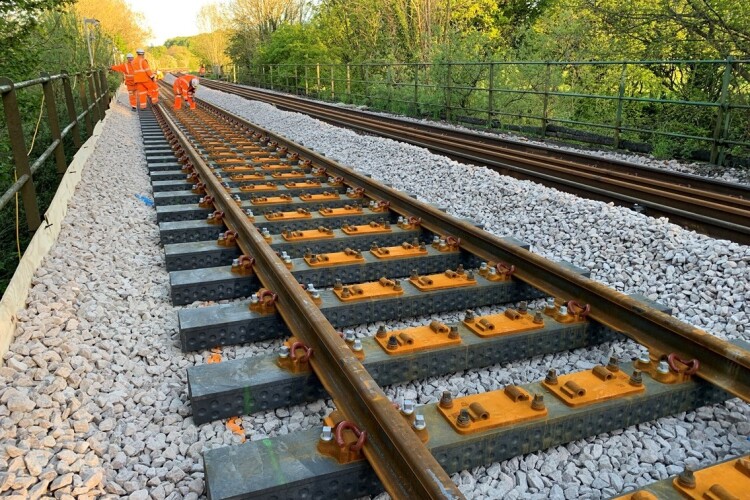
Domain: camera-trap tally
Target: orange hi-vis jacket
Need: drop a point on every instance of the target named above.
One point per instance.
(142, 71)
(127, 70)
(181, 86)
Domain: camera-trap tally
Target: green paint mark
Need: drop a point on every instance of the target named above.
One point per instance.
(249, 402)
(278, 473)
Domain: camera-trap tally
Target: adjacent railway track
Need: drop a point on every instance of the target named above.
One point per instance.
(717, 208)
(286, 216)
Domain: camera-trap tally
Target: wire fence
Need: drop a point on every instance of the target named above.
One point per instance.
(697, 109)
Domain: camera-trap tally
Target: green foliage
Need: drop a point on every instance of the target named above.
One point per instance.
(38, 36)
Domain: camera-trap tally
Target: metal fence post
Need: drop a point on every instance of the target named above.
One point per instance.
(54, 122)
(491, 96)
(620, 96)
(94, 102)
(84, 103)
(448, 97)
(365, 79)
(545, 103)
(348, 84)
(333, 86)
(717, 145)
(71, 107)
(270, 70)
(296, 79)
(307, 85)
(416, 89)
(20, 158)
(389, 83)
(317, 69)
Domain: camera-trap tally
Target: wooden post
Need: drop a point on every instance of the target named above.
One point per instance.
(20, 159)
(93, 96)
(84, 104)
(54, 122)
(70, 104)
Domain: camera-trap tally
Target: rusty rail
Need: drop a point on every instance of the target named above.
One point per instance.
(401, 461)
(722, 363)
(99, 95)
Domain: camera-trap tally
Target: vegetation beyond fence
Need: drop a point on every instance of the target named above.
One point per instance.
(695, 109)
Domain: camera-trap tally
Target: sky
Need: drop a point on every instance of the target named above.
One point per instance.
(170, 18)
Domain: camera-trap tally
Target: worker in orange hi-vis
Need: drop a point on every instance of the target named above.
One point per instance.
(184, 88)
(128, 71)
(144, 80)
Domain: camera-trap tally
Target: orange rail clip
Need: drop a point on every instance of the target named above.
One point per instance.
(490, 410)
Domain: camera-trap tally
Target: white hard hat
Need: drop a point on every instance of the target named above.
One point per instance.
(140, 51)
(194, 83)
(129, 56)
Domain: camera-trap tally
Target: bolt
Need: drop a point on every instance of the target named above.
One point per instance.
(469, 275)
(483, 266)
(550, 302)
(469, 316)
(209, 216)
(249, 212)
(523, 307)
(221, 236)
(645, 357)
(493, 271)
(254, 298)
(408, 407)
(538, 402)
(284, 352)
(613, 364)
(414, 274)
(310, 287)
(357, 346)
(636, 379)
(235, 262)
(663, 367)
(436, 239)
(460, 269)
(327, 434)
(419, 423)
(338, 285)
(446, 400)
(397, 285)
(392, 343)
(381, 332)
(563, 311)
(538, 319)
(416, 243)
(463, 420)
(453, 334)
(687, 478)
(551, 377)
(400, 220)
(349, 335)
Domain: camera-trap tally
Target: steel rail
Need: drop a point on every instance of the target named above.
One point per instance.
(401, 461)
(717, 208)
(722, 363)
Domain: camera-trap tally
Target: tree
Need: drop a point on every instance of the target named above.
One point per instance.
(118, 20)
(211, 44)
(254, 21)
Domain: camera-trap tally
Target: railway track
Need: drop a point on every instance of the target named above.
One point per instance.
(318, 248)
(717, 208)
